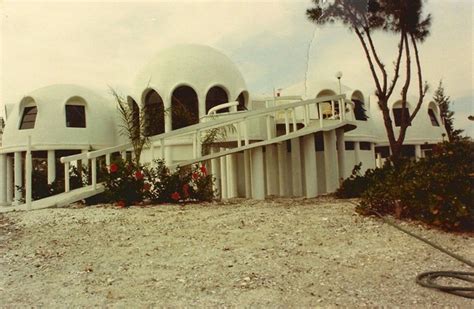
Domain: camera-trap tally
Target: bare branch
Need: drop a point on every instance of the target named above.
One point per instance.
(422, 90)
(397, 66)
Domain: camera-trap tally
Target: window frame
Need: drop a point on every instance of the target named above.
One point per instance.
(26, 109)
(76, 106)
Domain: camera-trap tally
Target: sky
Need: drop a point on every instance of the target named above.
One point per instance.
(105, 43)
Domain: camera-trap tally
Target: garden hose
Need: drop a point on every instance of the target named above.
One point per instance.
(427, 279)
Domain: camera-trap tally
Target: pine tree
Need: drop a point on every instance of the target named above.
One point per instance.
(447, 114)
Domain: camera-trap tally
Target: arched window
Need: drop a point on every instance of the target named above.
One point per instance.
(135, 117)
(242, 99)
(28, 118)
(398, 113)
(76, 113)
(359, 108)
(326, 107)
(184, 107)
(154, 114)
(216, 96)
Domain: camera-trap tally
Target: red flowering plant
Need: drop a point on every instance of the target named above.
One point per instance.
(125, 183)
(185, 184)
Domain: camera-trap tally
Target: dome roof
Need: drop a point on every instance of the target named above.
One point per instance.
(200, 67)
(50, 130)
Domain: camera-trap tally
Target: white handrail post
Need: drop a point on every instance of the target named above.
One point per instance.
(162, 148)
(246, 133)
(198, 144)
(107, 160)
(293, 118)
(306, 115)
(28, 174)
(66, 177)
(239, 138)
(320, 109)
(341, 110)
(343, 113)
(195, 155)
(269, 128)
(333, 109)
(287, 123)
(94, 172)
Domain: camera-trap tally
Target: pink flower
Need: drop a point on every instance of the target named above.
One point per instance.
(139, 175)
(195, 176)
(113, 168)
(203, 170)
(121, 204)
(146, 186)
(175, 196)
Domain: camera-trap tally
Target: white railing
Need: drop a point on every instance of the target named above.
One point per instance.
(240, 121)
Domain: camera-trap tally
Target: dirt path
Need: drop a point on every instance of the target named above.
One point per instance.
(286, 252)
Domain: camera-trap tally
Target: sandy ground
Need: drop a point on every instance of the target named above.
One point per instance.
(284, 252)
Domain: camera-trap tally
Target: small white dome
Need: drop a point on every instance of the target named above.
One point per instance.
(200, 67)
(50, 130)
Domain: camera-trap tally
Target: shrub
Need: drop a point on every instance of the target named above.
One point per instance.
(437, 190)
(183, 185)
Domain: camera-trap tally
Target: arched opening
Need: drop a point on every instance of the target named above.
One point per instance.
(242, 99)
(399, 112)
(359, 106)
(216, 96)
(154, 114)
(135, 113)
(76, 113)
(29, 112)
(326, 107)
(184, 107)
(433, 114)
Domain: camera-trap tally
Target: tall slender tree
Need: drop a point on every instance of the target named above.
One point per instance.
(401, 17)
(444, 103)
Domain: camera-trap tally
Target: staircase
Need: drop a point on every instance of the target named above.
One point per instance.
(251, 132)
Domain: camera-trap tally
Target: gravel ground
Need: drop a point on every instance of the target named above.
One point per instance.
(282, 252)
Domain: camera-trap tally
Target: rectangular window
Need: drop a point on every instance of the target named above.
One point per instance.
(383, 150)
(319, 141)
(434, 120)
(397, 114)
(75, 116)
(365, 146)
(349, 145)
(29, 118)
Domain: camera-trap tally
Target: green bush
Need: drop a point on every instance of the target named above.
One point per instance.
(437, 190)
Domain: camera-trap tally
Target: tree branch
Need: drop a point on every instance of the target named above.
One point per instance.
(422, 90)
(404, 123)
(369, 58)
(397, 66)
(377, 59)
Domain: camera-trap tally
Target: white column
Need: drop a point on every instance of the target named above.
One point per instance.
(296, 172)
(168, 118)
(341, 153)
(224, 190)
(51, 166)
(330, 161)
(3, 179)
(282, 168)
(357, 152)
(10, 187)
(18, 176)
(28, 175)
(232, 175)
(418, 152)
(258, 174)
(248, 174)
(310, 170)
(378, 161)
(272, 169)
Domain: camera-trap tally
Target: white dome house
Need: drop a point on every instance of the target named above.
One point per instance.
(59, 120)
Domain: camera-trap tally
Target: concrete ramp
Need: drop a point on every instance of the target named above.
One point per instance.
(59, 200)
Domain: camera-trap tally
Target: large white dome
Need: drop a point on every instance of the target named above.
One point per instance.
(197, 66)
(50, 130)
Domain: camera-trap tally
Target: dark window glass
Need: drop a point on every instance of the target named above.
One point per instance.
(216, 96)
(241, 100)
(383, 150)
(408, 151)
(319, 141)
(349, 145)
(154, 114)
(365, 146)
(359, 110)
(427, 146)
(397, 113)
(75, 116)
(434, 120)
(29, 118)
(184, 106)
